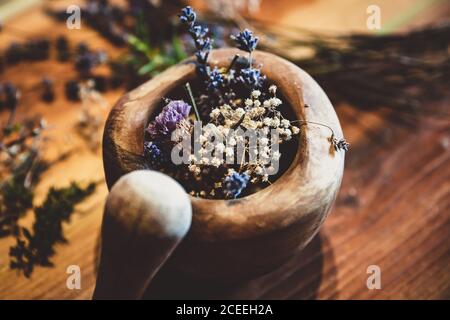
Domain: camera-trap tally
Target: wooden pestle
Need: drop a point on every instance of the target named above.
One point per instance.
(147, 214)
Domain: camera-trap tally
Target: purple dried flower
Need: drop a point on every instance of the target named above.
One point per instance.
(203, 43)
(235, 183)
(188, 15)
(245, 40)
(252, 78)
(168, 119)
(199, 31)
(153, 154)
(342, 144)
(202, 56)
(215, 79)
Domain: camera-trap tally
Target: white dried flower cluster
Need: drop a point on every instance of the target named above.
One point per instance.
(258, 112)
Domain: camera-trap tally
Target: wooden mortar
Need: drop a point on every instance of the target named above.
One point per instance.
(230, 240)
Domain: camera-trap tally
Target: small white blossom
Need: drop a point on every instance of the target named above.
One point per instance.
(275, 102)
(239, 138)
(216, 162)
(287, 132)
(295, 129)
(276, 155)
(239, 112)
(267, 121)
(225, 131)
(267, 104)
(264, 141)
(214, 113)
(256, 94)
(275, 122)
(256, 103)
(285, 123)
(248, 102)
(229, 152)
(273, 89)
(232, 141)
(192, 158)
(220, 147)
(202, 139)
(263, 155)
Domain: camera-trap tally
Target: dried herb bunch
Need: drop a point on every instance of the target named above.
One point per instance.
(238, 98)
(402, 72)
(36, 246)
(21, 165)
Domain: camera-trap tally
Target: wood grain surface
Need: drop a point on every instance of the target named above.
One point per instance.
(393, 209)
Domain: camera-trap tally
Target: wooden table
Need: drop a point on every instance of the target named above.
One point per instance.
(393, 209)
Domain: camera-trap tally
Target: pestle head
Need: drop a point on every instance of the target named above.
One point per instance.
(164, 206)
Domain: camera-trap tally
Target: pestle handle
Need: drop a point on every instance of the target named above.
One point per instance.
(147, 214)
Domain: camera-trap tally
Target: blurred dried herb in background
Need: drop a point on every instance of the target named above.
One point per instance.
(20, 168)
(36, 247)
(402, 71)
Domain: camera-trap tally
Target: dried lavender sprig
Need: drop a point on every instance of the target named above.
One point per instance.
(247, 42)
(203, 43)
(249, 76)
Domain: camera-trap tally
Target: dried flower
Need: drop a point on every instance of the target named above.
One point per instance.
(256, 94)
(252, 78)
(273, 89)
(188, 15)
(245, 40)
(203, 44)
(215, 79)
(235, 183)
(198, 31)
(153, 154)
(341, 144)
(166, 122)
